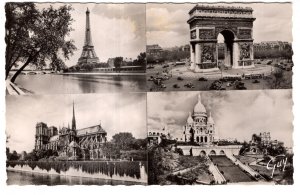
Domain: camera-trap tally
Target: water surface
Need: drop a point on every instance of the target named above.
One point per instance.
(77, 84)
(28, 178)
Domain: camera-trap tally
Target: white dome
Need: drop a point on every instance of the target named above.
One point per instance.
(190, 119)
(210, 120)
(199, 106)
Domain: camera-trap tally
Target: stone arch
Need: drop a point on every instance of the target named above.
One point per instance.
(222, 152)
(201, 139)
(202, 153)
(205, 139)
(229, 38)
(212, 152)
(197, 139)
(236, 25)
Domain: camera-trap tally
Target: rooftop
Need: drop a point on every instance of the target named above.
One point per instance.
(90, 130)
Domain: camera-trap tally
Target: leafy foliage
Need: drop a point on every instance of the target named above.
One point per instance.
(36, 36)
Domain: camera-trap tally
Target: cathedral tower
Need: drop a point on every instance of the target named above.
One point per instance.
(88, 55)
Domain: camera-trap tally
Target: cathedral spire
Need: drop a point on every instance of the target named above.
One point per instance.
(73, 119)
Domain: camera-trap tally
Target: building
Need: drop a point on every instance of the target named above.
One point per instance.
(154, 50)
(155, 136)
(111, 62)
(200, 127)
(265, 138)
(199, 135)
(206, 22)
(154, 53)
(71, 143)
(88, 55)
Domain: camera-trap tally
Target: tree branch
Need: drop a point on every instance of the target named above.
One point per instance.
(29, 59)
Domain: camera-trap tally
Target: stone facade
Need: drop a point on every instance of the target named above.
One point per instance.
(199, 127)
(234, 23)
(71, 143)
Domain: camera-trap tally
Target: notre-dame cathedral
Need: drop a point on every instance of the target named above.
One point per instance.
(71, 143)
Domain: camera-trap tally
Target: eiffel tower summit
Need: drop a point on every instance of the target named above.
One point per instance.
(88, 55)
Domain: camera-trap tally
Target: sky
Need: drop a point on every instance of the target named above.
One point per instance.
(117, 29)
(237, 114)
(167, 23)
(116, 113)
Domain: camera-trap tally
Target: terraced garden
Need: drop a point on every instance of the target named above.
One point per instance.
(230, 171)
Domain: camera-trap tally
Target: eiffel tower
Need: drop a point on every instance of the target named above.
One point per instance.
(88, 55)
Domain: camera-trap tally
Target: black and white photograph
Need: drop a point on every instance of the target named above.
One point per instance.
(76, 140)
(60, 48)
(211, 138)
(149, 95)
(219, 46)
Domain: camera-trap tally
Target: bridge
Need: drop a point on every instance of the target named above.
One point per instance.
(211, 150)
(33, 72)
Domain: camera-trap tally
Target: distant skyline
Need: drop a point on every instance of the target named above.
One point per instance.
(167, 23)
(117, 29)
(116, 113)
(237, 114)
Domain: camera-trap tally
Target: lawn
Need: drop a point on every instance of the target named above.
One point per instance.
(199, 173)
(246, 159)
(230, 171)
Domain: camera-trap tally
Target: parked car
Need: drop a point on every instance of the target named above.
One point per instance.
(240, 86)
(202, 79)
(176, 86)
(179, 78)
(189, 85)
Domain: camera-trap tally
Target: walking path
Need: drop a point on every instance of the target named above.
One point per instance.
(253, 173)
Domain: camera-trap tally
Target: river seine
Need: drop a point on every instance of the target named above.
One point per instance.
(77, 84)
(27, 178)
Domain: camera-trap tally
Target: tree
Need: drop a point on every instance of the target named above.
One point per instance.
(123, 140)
(13, 156)
(141, 60)
(279, 81)
(137, 144)
(34, 37)
(117, 63)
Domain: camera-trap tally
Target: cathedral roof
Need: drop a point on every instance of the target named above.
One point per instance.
(199, 106)
(90, 130)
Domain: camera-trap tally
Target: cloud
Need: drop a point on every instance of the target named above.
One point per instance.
(237, 114)
(117, 29)
(167, 26)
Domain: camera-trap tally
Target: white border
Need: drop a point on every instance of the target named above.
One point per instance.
(186, 190)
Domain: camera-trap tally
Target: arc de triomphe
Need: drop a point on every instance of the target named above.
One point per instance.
(234, 23)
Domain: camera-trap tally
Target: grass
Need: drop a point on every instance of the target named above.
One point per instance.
(199, 173)
(230, 171)
(246, 159)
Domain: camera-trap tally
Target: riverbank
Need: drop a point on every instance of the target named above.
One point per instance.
(120, 171)
(13, 89)
(29, 178)
(104, 73)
